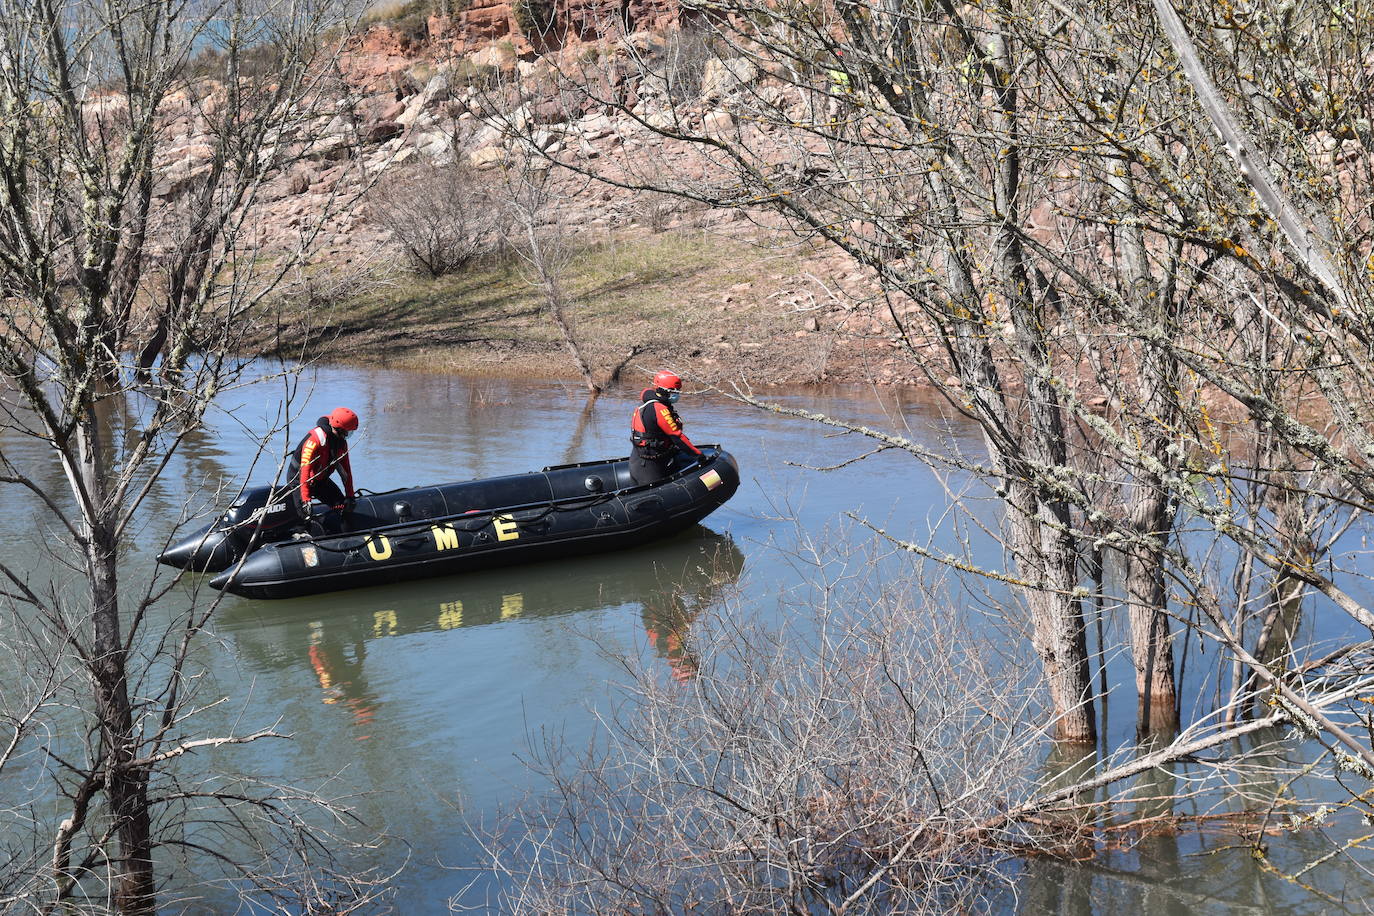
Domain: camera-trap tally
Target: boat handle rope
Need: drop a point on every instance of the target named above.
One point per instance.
(405, 531)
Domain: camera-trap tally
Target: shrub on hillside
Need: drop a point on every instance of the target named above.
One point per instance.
(387, 13)
(535, 17)
(410, 18)
(483, 77)
(682, 63)
(440, 217)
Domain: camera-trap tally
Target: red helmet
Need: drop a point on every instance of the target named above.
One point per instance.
(668, 380)
(343, 418)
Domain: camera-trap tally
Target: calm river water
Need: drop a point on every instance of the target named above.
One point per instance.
(419, 700)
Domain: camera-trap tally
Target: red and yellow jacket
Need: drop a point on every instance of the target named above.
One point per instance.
(318, 455)
(656, 428)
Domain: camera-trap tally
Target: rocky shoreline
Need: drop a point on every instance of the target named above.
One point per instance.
(449, 98)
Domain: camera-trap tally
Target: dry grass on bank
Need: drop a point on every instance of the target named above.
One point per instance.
(695, 298)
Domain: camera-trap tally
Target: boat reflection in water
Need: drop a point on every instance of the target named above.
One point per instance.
(671, 581)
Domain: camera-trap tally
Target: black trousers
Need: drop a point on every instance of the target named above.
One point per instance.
(644, 470)
(327, 492)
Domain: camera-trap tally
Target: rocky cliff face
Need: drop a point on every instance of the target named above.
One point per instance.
(486, 21)
(487, 32)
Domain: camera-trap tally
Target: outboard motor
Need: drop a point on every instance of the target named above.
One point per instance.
(259, 509)
(256, 514)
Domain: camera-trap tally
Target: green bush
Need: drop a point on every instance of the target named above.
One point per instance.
(535, 17)
(480, 76)
(407, 18)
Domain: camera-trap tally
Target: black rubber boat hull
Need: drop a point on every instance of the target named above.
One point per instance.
(525, 531)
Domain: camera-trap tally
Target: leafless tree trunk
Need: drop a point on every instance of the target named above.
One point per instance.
(1040, 520)
(125, 784)
(543, 243)
(127, 279)
(1150, 510)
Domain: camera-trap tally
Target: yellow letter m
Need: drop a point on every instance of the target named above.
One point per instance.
(445, 537)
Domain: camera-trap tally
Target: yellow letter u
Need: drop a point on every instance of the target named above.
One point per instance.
(379, 547)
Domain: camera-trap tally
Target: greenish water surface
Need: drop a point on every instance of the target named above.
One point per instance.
(418, 701)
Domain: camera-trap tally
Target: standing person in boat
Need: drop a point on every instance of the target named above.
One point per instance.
(323, 451)
(656, 431)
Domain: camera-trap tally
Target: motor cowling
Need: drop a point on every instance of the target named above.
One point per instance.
(261, 508)
(260, 515)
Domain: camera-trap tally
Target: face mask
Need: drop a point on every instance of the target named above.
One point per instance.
(673, 396)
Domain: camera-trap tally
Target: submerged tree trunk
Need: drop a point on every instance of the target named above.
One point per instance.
(1038, 535)
(1152, 652)
(126, 786)
(1059, 631)
(1150, 517)
(1043, 522)
(1283, 614)
(1149, 512)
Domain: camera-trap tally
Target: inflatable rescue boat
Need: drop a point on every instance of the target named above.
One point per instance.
(260, 551)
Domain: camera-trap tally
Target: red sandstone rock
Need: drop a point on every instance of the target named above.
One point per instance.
(384, 130)
(550, 112)
(439, 26)
(484, 22)
(299, 182)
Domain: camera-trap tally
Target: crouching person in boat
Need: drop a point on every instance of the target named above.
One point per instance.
(323, 451)
(656, 431)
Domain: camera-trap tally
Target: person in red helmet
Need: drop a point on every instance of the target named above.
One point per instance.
(656, 431)
(323, 451)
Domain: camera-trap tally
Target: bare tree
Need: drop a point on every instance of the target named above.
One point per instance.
(441, 216)
(1111, 288)
(538, 234)
(130, 271)
(1141, 246)
(872, 175)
